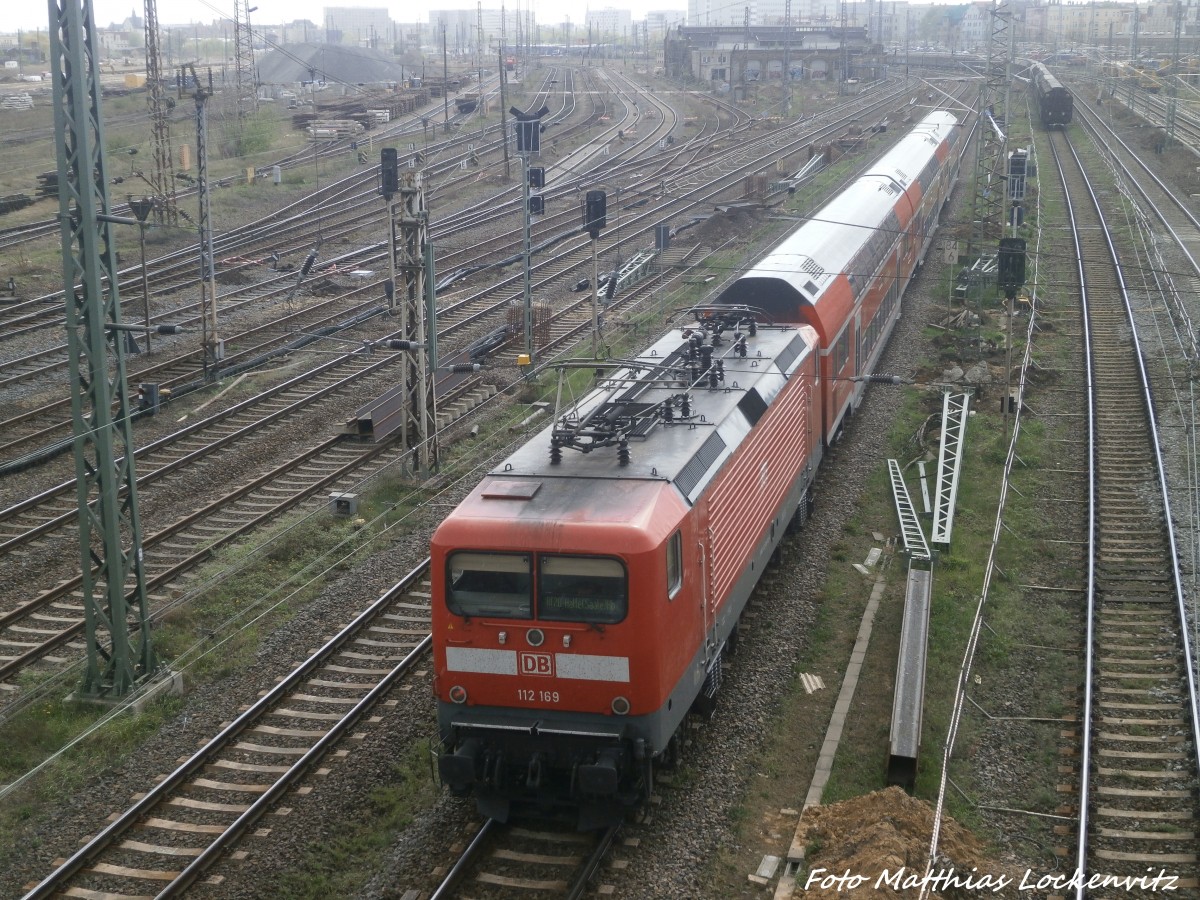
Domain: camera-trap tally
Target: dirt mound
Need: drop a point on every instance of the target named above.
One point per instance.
(877, 846)
(721, 226)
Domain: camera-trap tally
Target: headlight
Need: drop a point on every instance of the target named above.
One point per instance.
(458, 694)
(619, 705)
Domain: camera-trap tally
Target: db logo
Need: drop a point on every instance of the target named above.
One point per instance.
(536, 663)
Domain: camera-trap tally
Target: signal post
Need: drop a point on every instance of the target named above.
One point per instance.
(412, 298)
(528, 127)
(595, 217)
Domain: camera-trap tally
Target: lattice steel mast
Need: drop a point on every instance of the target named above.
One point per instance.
(412, 254)
(162, 176)
(989, 194)
(843, 52)
(787, 61)
(119, 648)
(1173, 78)
(243, 55)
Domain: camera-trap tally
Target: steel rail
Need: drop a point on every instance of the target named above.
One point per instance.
(1082, 845)
(466, 859)
(157, 794)
(1092, 519)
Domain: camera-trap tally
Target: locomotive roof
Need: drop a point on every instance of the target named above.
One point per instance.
(808, 260)
(686, 450)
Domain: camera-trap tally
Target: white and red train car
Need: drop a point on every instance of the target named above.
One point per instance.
(585, 592)
(845, 270)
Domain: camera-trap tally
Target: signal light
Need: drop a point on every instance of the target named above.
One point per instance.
(595, 212)
(537, 205)
(529, 136)
(1011, 265)
(389, 172)
(537, 176)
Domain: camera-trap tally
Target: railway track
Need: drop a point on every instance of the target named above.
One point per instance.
(34, 633)
(329, 213)
(324, 150)
(1182, 269)
(25, 640)
(333, 213)
(1139, 770)
(48, 420)
(49, 423)
(536, 861)
(179, 828)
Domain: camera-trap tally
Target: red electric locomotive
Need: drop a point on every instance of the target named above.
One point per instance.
(585, 591)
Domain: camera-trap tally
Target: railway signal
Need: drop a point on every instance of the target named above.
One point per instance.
(528, 128)
(1011, 275)
(141, 210)
(389, 173)
(595, 217)
(595, 213)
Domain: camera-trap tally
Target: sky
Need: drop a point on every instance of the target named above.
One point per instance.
(16, 14)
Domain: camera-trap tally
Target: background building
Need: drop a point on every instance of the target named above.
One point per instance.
(361, 26)
(609, 24)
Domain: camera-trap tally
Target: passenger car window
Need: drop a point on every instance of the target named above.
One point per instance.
(489, 584)
(582, 589)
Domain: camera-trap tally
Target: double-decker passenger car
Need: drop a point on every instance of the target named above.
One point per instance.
(845, 270)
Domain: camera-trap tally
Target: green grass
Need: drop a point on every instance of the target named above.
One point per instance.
(47, 727)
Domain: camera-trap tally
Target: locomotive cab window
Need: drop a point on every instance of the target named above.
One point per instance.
(489, 584)
(674, 565)
(582, 589)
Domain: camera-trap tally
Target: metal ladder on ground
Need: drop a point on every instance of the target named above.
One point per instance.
(911, 533)
(954, 431)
